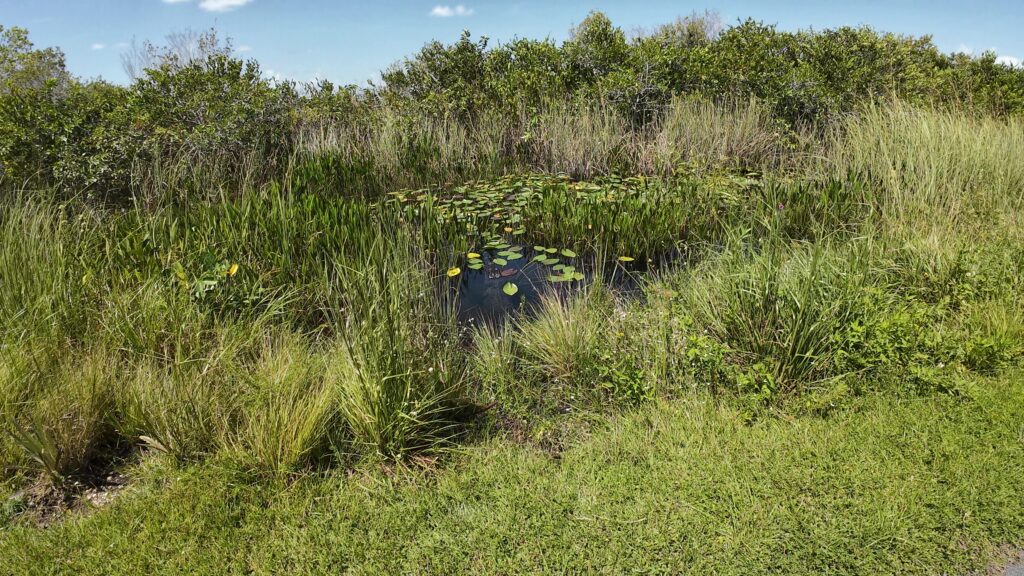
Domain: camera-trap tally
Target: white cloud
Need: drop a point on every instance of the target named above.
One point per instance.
(222, 5)
(965, 49)
(98, 46)
(243, 48)
(449, 11)
(175, 1)
(1011, 61)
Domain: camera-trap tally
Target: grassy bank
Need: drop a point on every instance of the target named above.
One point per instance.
(890, 484)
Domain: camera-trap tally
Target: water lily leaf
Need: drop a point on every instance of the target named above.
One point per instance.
(519, 232)
(549, 261)
(568, 253)
(500, 261)
(513, 256)
(558, 266)
(578, 276)
(510, 288)
(504, 246)
(626, 258)
(551, 250)
(539, 258)
(539, 248)
(504, 253)
(472, 255)
(559, 278)
(568, 270)
(476, 266)
(453, 272)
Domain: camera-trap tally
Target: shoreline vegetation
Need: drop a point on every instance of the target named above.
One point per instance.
(705, 299)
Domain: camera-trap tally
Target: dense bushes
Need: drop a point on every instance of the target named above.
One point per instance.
(212, 122)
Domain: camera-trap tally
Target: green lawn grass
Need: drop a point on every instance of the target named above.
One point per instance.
(917, 485)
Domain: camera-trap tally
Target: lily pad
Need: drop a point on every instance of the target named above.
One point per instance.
(559, 278)
(513, 256)
(500, 261)
(549, 261)
(476, 266)
(539, 248)
(568, 253)
(626, 258)
(551, 250)
(453, 272)
(510, 288)
(577, 276)
(472, 255)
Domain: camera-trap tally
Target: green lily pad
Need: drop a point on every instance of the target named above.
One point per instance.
(475, 266)
(549, 261)
(577, 276)
(559, 278)
(513, 256)
(568, 253)
(510, 288)
(539, 248)
(551, 250)
(500, 261)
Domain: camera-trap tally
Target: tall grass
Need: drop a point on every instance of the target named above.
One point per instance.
(402, 375)
(701, 134)
(393, 150)
(935, 171)
(289, 328)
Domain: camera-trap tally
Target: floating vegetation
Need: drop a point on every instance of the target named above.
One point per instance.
(562, 229)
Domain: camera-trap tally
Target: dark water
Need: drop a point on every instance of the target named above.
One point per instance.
(482, 301)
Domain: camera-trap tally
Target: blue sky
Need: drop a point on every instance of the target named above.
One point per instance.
(349, 41)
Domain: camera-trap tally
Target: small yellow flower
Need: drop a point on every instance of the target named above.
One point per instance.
(453, 272)
(508, 228)
(233, 270)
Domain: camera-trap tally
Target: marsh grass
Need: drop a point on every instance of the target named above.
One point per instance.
(288, 416)
(291, 330)
(401, 373)
(395, 150)
(934, 170)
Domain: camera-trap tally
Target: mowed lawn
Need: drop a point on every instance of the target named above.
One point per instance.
(917, 485)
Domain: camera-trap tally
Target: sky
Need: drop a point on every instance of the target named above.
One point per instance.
(350, 41)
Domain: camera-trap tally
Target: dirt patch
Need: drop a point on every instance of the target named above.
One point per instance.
(1009, 562)
(45, 504)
